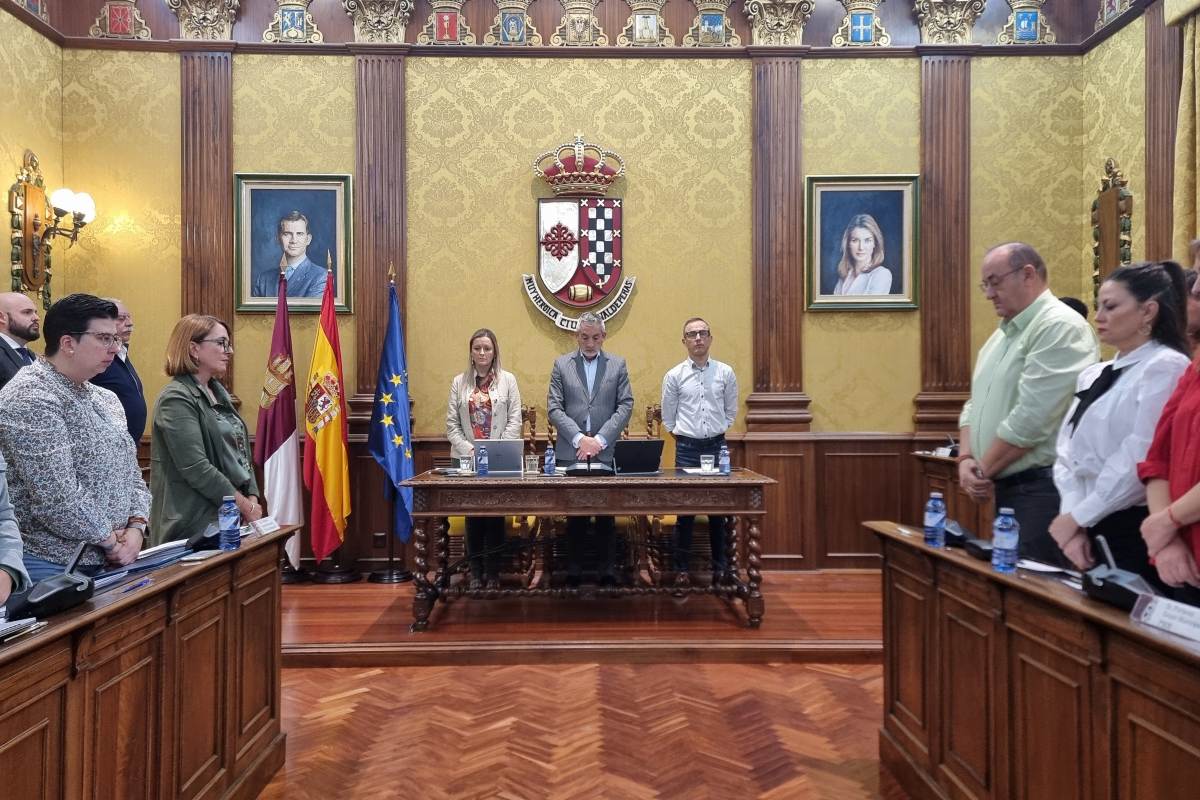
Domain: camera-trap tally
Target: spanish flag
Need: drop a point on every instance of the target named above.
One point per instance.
(326, 458)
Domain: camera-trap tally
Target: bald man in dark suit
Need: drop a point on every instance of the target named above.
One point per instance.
(19, 325)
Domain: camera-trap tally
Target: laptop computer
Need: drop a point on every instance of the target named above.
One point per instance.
(637, 456)
(504, 456)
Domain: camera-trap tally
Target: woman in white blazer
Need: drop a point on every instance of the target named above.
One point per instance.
(485, 403)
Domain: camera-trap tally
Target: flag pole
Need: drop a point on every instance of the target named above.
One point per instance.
(391, 574)
(336, 572)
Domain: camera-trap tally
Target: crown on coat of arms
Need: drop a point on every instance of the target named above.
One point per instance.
(579, 168)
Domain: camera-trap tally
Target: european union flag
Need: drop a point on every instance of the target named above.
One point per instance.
(390, 439)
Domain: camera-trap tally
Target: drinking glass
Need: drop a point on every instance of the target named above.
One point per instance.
(708, 463)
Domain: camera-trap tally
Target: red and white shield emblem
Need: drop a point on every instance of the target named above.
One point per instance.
(579, 248)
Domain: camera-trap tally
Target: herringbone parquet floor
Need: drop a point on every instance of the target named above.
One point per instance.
(584, 731)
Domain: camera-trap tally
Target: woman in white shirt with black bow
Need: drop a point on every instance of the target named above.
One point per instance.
(1142, 313)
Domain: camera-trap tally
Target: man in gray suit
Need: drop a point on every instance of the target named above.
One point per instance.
(590, 403)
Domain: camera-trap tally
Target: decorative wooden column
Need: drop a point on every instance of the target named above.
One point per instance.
(1164, 65)
(379, 210)
(946, 268)
(778, 402)
(206, 155)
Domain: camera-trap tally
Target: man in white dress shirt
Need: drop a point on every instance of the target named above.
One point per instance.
(19, 325)
(699, 403)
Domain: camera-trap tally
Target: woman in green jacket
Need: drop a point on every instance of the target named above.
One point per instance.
(199, 445)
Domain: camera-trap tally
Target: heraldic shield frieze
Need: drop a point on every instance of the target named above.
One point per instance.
(579, 236)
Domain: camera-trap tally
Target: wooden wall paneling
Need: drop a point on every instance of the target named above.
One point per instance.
(206, 162)
(777, 402)
(968, 753)
(1155, 725)
(787, 532)
(910, 635)
(33, 733)
(1164, 66)
(1051, 666)
(859, 480)
(379, 209)
(946, 267)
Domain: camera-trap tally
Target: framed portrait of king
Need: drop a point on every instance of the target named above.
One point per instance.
(295, 224)
(862, 242)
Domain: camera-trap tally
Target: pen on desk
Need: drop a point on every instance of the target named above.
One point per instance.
(37, 626)
(138, 585)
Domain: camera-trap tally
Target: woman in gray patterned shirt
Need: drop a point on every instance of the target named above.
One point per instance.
(72, 468)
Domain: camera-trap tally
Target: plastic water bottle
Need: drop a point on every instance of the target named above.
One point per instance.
(550, 459)
(1006, 539)
(935, 520)
(723, 460)
(481, 460)
(229, 524)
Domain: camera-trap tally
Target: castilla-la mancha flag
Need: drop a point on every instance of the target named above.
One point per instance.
(277, 444)
(326, 457)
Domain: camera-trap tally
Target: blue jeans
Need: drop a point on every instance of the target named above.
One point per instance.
(39, 568)
(687, 454)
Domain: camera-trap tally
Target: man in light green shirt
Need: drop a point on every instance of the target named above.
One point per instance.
(1024, 380)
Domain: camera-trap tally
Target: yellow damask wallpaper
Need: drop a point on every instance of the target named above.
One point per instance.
(31, 112)
(474, 127)
(121, 144)
(1114, 107)
(862, 117)
(1027, 126)
(291, 114)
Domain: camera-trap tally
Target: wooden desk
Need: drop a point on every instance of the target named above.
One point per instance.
(167, 691)
(940, 474)
(1016, 686)
(435, 497)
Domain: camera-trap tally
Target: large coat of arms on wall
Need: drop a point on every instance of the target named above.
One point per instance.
(579, 244)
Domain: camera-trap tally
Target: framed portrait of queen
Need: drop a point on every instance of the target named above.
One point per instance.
(862, 242)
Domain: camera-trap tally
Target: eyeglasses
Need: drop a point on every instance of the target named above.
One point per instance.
(108, 340)
(696, 334)
(224, 344)
(995, 281)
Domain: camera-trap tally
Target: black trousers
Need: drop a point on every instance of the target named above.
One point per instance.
(606, 545)
(1122, 531)
(485, 539)
(687, 454)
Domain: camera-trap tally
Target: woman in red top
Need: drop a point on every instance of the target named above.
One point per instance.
(1171, 473)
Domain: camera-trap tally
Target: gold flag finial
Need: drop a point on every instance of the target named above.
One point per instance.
(391, 272)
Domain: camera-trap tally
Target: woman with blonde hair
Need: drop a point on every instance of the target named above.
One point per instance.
(861, 270)
(485, 403)
(199, 445)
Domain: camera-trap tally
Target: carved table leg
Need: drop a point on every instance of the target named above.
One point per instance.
(754, 601)
(731, 546)
(441, 546)
(424, 594)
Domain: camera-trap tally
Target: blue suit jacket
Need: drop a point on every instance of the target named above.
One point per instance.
(308, 280)
(122, 380)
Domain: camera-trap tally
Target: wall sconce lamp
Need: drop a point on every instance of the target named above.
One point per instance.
(35, 223)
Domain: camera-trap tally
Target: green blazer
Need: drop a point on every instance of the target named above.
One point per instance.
(192, 467)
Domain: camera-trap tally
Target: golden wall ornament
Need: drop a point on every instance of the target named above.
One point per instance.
(292, 24)
(778, 22)
(31, 213)
(646, 26)
(711, 27)
(119, 19)
(379, 20)
(1112, 225)
(512, 26)
(1026, 24)
(205, 19)
(446, 25)
(579, 26)
(947, 21)
(861, 26)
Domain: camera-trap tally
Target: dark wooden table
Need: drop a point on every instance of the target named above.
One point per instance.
(549, 498)
(1018, 686)
(167, 690)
